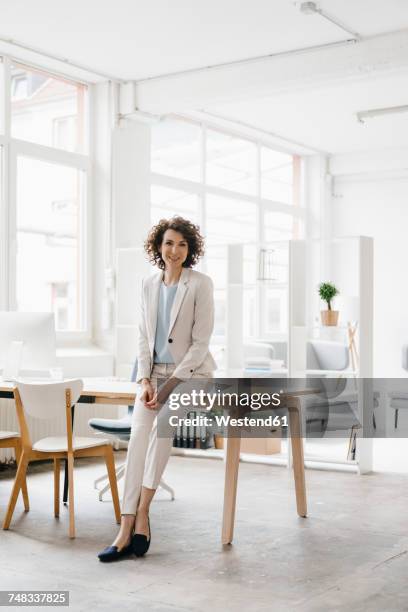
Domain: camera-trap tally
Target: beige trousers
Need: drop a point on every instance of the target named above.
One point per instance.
(147, 454)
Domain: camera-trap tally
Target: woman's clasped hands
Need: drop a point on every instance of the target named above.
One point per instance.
(154, 400)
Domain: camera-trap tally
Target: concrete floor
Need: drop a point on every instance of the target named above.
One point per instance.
(350, 554)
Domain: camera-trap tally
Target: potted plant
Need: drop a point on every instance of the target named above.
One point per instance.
(327, 292)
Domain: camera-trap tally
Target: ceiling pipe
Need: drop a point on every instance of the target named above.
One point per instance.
(250, 60)
(311, 8)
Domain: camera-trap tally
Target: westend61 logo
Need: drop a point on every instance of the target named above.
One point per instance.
(207, 401)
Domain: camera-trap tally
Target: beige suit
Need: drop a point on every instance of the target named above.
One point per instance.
(191, 325)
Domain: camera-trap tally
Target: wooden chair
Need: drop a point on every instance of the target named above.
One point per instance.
(11, 439)
(48, 401)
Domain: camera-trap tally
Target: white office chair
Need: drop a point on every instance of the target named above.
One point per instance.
(102, 425)
(54, 401)
(12, 439)
(327, 355)
(260, 356)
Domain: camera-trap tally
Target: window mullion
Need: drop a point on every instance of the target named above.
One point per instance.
(203, 200)
(52, 155)
(259, 241)
(5, 187)
(6, 98)
(12, 227)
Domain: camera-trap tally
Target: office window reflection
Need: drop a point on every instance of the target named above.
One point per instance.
(49, 259)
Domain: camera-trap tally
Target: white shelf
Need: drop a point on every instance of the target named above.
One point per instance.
(278, 459)
(320, 326)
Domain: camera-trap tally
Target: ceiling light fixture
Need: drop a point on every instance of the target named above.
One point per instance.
(311, 8)
(378, 112)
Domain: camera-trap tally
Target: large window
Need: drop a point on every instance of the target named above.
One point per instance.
(3, 242)
(239, 191)
(47, 110)
(167, 202)
(48, 270)
(43, 130)
(231, 162)
(176, 150)
(229, 221)
(277, 176)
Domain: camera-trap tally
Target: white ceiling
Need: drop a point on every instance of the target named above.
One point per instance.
(325, 119)
(134, 39)
(137, 39)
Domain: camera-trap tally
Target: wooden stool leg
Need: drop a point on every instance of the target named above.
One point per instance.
(71, 495)
(294, 407)
(230, 488)
(24, 490)
(56, 487)
(110, 466)
(18, 482)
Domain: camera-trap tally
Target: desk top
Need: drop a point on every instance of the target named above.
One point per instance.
(103, 388)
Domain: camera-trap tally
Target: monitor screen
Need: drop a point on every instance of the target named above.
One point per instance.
(36, 330)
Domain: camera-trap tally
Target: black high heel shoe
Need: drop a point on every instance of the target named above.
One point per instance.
(140, 544)
(111, 553)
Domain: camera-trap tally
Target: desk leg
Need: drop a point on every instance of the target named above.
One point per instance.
(65, 495)
(294, 409)
(230, 488)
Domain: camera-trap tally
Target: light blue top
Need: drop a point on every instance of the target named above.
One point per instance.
(161, 343)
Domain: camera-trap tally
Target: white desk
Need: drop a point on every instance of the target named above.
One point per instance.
(102, 391)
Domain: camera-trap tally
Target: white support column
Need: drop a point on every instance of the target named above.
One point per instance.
(131, 191)
(102, 119)
(234, 358)
(297, 311)
(365, 386)
(366, 289)
(131, 183)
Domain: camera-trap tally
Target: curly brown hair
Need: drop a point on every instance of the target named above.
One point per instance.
(189, 231)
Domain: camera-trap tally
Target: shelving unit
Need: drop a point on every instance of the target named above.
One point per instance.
(348, 263)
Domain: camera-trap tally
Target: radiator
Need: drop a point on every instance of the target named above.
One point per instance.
(41, 428)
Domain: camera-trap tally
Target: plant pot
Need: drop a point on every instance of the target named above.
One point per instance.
(329, 317)
(218, 441)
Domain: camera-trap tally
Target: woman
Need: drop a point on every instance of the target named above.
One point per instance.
(177, 317)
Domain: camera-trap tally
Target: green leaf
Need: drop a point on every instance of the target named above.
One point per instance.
(327, 292)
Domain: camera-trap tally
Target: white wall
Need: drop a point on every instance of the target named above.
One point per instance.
(370, 197)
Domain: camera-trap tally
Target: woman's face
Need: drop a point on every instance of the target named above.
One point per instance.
(174, 249)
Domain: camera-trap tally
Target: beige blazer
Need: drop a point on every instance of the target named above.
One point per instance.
(191, 325)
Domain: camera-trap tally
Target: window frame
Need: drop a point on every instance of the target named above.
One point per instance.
(13, 149)
(54, 128)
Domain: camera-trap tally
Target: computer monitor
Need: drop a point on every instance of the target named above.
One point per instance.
(36, 332)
